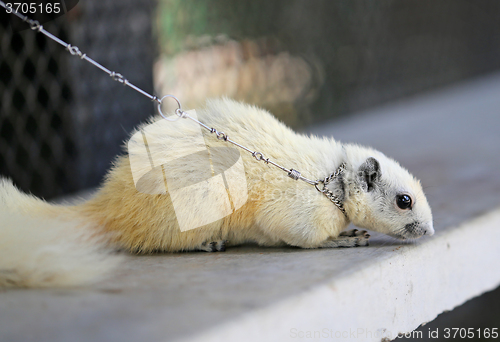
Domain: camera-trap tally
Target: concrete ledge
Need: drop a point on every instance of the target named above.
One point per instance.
(395, 294)
(449, 139)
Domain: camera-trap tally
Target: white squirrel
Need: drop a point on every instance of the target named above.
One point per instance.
(54, 245)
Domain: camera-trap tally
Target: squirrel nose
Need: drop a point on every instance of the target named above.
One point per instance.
(429, 230)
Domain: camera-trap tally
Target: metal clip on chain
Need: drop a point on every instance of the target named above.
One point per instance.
(75, 51)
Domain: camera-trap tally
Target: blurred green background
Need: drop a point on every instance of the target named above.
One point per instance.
(342, 56)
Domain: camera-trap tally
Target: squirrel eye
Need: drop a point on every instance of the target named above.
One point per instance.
(403, 201)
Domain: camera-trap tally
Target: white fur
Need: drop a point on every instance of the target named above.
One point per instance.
(39, 249)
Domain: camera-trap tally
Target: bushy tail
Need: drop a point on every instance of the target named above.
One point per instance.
(41, 246)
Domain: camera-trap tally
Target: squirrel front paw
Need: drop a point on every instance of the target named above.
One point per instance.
(214, 246)
(361, 237)
(348, 238)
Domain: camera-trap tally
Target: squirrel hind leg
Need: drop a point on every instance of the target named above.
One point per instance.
(213, 246)
(349, 238)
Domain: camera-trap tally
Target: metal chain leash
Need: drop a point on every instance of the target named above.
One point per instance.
(294, 174)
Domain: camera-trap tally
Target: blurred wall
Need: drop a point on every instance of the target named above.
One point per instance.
(329, 57)
(119, 35)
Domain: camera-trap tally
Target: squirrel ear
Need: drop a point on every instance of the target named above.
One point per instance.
(369, 174)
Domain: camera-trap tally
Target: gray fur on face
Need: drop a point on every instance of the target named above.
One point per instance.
(369, 174)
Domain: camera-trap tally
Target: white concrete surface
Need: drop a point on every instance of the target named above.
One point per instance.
(392, 295)
(449, 139)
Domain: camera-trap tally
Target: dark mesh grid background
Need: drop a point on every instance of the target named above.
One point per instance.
(62, 121)
(37, 150)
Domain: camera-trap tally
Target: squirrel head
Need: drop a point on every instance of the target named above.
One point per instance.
(383, 196)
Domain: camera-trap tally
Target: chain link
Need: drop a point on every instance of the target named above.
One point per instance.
(327, 192)
(294, 174)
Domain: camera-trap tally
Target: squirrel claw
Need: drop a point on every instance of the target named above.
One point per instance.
(214, 246)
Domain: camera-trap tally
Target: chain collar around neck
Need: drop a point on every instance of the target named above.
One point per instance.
(327, 192)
